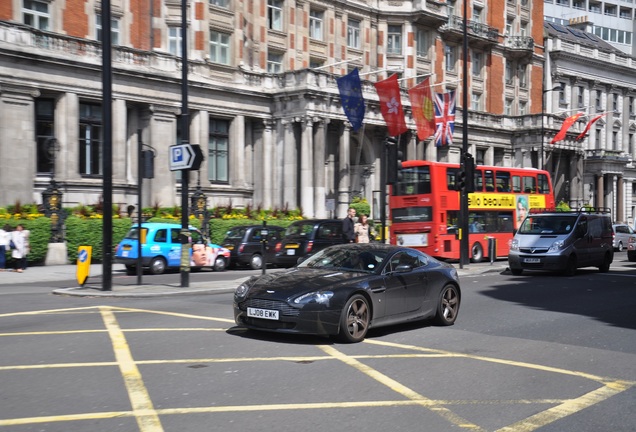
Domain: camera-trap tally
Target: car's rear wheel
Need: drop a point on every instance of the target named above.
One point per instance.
(607, 261)
(570, 267)
(448, 305)
(131, 270)
(355, 319)
(219, 264)
(256, 262)
(477, 253)
(157, 266)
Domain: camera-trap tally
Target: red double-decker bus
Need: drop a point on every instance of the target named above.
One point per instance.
(424, 207)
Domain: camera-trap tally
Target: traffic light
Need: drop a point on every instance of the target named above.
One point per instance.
(394, 162)
(466, 174)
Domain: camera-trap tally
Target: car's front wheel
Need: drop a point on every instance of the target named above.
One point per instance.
(448, 305)
(219, 264)
(355, 319)
(157, 266)
(620, 246)
(256, 262)
(516, 271)
(631, 256)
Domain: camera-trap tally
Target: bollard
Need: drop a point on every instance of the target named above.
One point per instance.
(492, 249)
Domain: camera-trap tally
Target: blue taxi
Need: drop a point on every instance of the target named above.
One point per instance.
(161, 249)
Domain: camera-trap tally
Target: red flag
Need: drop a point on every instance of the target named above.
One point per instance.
(588, 126)
(566, 125)
(423, 112)
(391, 105)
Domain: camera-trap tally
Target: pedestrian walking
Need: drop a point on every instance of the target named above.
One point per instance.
(5, 241)
(348, 233)
(364, 231)
(20, 248)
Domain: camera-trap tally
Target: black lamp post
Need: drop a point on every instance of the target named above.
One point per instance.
(559, 87)
(52, 197)
(199, 206)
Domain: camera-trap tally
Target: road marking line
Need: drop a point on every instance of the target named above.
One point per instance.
(401, 389)
(174, 314)
(143, 409)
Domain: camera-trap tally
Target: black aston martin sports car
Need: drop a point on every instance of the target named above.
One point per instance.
(347, 289)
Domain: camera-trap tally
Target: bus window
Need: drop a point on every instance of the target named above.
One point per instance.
(479, 181)
(529, 184)
(516, 184)
(503, 181)
(544, 184)
(490, 180)
(415, 180)
(451, 177)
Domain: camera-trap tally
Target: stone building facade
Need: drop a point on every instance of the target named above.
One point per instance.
(263, 99)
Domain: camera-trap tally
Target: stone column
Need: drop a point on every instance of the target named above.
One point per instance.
(600, 191)
(163, 132)
(620, 199)
(290, 165)
(320, 144)
(344, 166)
(237, 153)
(67, 132)
(268, 165)
(306, 168)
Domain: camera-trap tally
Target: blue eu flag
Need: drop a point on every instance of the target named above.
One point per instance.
(351, 96)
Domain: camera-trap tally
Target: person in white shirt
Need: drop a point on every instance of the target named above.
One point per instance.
(20, 248)
(5, 238)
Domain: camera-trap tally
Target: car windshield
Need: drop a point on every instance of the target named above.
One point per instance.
(548, 224)
(235, 233)
(346, 259)
(299, 229)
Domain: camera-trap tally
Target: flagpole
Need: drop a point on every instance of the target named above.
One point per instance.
(380, 71)
(414, 77)
(336, 63)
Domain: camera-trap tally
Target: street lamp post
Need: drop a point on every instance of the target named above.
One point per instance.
(558, 87)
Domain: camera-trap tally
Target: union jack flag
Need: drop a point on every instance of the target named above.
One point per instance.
(444, 118)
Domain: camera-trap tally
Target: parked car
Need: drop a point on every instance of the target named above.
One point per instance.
(161, 249)
(563, 241)
(347, 289)
(623, 235)
(305, 237)
(245, 245)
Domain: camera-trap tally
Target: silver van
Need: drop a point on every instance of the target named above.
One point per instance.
(563, 241)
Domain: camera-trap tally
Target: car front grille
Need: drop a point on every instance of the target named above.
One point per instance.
(284, 308)
(533, 250)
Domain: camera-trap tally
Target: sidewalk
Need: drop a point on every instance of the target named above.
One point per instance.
(93, 288)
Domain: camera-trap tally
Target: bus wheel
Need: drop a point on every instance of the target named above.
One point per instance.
(477, 253)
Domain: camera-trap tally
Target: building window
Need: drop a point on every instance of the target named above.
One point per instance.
(174, 41)
(316, 19)
(219, 47)
(632, 112)
(218, 149)
(315, 63)
(523, 108)
(90, 139)
(581, 97)
(615, 103)
(475, 101)
(275, 15)
(614, 140)
(36, 14)
(45, 131)
(353, 34)
(508, 72)
(274, 63)
(508, 107)
(114, 29)
(477, 61)
(220, 3)
(449, 54)
(394, 40)
(421, 43)
(523, 76)
(598, 100)
(509, 27)
(597, 138)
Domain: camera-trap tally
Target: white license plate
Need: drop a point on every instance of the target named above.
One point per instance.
(262, 313)
(532, 260)
(291, 251)
(124, 253)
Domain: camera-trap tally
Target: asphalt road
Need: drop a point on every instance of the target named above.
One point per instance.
(537, 352)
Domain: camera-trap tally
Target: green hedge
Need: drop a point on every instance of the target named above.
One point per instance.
(89, 232)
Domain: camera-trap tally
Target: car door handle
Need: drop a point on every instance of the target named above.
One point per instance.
(378, 290)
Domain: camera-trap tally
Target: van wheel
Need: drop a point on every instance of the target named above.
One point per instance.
(157, 266)
(477, 253)
(620, 246)
(570, 267)
(256, 262)
(631, 256)
(604, 268)
(516, 271)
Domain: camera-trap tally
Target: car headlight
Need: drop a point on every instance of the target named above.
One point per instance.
(320, 297)
(556, 246)
(242, 290)
(514, 245)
